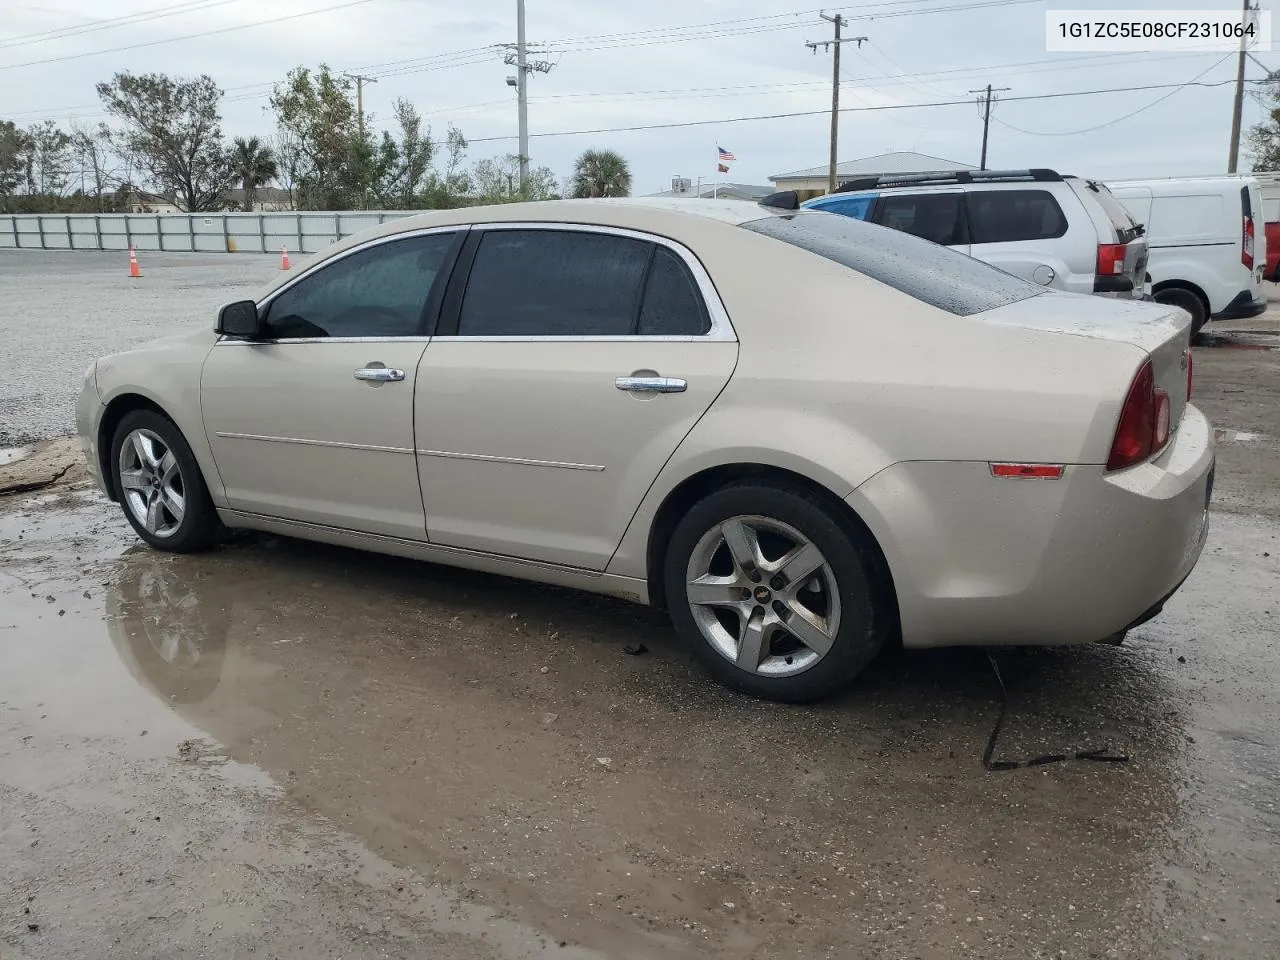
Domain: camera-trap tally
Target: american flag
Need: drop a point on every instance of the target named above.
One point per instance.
(725, 155)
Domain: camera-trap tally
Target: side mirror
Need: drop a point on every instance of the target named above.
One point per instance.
(239, 319)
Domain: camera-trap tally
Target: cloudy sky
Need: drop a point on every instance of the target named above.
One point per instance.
(619, 64)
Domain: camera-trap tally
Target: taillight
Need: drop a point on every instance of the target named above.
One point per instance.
(1246, 244)
(1111, 259)
(1138, 434)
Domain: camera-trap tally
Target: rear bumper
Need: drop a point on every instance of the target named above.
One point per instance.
(978, 560)
(1242, 306)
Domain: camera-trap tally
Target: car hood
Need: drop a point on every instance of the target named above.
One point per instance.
(194, 338)
(1147, 326)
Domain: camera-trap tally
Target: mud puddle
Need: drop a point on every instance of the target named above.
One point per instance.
(352, 754)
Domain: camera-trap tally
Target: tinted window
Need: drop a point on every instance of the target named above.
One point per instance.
(673, 307)
(933, 216)
(1010, 216)
(859, 207)
(553, 283)
(376, 292)
(935, 275)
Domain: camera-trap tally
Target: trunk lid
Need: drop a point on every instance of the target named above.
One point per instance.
(1163, 332)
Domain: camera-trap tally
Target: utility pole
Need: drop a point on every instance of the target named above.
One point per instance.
(986, 118)
(360, 82)
(519, 58)
(834, 45)
(1233, 157)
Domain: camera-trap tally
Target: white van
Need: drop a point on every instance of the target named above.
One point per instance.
(1207, 243)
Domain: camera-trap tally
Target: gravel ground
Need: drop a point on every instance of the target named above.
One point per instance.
(61, 311)
(284, 748)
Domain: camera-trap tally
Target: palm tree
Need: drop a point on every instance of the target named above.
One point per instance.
(601, 173)
(254, 166)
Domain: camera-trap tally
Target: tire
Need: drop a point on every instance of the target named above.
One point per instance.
(1189, 301)
(184, 520)
(747, 631)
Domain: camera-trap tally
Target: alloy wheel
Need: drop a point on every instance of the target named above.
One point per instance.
(151, 483)
(763, 595)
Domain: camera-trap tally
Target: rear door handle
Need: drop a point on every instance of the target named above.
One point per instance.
(379, 374)
(651, 384)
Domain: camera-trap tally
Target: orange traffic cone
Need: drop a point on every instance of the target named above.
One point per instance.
(134, 269)
(284, 258)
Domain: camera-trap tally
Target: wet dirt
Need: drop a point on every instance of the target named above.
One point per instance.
(351, 755)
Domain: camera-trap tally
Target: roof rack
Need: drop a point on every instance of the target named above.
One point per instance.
(943, 177)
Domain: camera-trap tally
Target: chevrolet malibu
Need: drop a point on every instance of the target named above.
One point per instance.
(801, 434)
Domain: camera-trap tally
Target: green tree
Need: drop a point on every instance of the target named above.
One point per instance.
(600, 173)
(48, 162)
(401, 164)
(331, 160)
(1263, 144)
(450, 187)
(497, 180)
(173, 128)
(13, 164)
(254, 166)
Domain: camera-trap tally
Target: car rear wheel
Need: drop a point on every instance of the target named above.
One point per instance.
(775, 593)
(159, 484)
(1189, 301)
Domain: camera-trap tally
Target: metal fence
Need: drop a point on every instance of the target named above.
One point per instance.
(187, 233)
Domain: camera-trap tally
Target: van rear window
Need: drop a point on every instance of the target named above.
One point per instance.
(1126, 227)
(928, 272)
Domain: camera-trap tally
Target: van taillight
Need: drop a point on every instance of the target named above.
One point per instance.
(1111, 259)
(1144, 422)
(1246, 244)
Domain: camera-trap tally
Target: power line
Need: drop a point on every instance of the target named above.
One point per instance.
(870, 109)
(1134, 113)
(94, 26)
(189, 36)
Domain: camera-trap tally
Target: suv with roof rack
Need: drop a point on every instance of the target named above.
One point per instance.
(1055, 230)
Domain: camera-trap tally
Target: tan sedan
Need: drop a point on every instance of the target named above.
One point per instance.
(802, 434)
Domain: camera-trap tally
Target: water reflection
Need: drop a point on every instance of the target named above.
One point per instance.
(407, 704)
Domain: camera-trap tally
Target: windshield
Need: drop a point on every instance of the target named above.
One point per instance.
(928, 272)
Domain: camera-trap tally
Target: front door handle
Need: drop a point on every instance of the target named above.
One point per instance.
(379, 374)
(651, 384)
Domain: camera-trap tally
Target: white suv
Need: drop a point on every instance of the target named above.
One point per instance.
(1054, 230)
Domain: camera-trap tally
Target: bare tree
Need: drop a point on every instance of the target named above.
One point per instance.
(92, 149)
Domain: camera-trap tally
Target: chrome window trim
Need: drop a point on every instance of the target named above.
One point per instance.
(329, 261)
(721, 326)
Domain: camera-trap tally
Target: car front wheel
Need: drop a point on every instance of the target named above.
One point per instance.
(775, 592)
(159, 484)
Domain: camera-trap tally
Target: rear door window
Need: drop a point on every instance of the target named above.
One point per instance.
(932, 216)
(553, 283)
(937, 276)
(673, 305)
(1014, 216)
